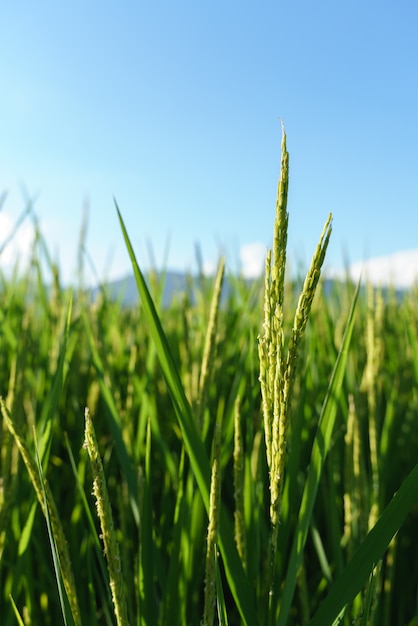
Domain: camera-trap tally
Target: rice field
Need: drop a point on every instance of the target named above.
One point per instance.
(250, 460)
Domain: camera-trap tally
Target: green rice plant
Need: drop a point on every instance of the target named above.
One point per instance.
(220, 600)
(210, 344)
(239, 512)
(55, 549)
(320, 449)
(211, 577)
(104, 512)
(316, 460)
(17, 614)
(278, 365)
(49, 509)
(193, 443)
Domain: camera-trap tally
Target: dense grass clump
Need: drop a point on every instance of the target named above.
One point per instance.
(230, 461)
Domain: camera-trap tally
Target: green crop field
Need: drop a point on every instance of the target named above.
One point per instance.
(251, 460)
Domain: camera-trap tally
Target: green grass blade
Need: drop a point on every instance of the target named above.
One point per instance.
(54, 549)
(220, 600)
(192, 440)
(367, 617)
(237, 579)
(146, 574)
(176, 576)
(50, 411)
(371, 550)
(26, 534)
(16, 612)
(319, 452)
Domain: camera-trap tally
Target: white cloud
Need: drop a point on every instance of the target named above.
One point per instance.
(18, 249)
(252, 257)
(209, 268)
(399, 269)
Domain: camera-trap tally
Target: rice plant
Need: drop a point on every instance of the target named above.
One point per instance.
(245, 459)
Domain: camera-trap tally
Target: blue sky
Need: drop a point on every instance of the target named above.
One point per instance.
(174, 109)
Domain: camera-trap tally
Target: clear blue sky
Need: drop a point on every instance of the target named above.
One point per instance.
(174, 108)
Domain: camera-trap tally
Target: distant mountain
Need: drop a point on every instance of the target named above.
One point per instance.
(178, 283)
(175, 284)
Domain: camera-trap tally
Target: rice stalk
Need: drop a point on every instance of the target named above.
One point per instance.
(104, 511)
(239, 516)
(212, 536)
(210, 344)
(278, 361)
(49, 509)
(370, 382)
